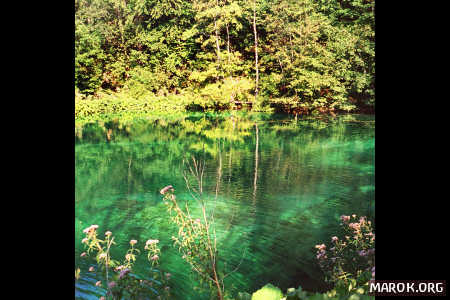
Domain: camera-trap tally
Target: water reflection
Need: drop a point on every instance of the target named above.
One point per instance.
(277, 186)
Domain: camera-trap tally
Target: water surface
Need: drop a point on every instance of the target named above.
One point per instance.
(277, 187)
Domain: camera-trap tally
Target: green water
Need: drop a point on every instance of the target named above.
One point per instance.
(277, 187)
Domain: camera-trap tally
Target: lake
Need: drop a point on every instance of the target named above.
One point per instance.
(277, 186)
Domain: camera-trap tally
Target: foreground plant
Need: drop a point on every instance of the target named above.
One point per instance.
(195, 241)
(350, 261)
(120, 281)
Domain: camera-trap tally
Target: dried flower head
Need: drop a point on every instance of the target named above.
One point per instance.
(155, 257)
(166, 189)
(90, 229)
(151, 242)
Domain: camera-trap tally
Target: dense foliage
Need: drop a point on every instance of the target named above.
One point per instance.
(310, 55)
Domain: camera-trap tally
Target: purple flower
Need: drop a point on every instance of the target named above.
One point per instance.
(321, 247)
(355, 226)
(123, 273)
(334, 239)
(345, 219)
(112, 284)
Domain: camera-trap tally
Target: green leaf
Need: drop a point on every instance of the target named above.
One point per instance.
(268, 292)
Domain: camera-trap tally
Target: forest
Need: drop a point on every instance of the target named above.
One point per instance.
(299, 56)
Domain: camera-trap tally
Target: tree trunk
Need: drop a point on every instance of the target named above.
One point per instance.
(217, 40)
(256, 49)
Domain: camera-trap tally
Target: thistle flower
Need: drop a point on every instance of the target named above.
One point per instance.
(102, 255)
(112, 284)
(84, 241)
(132, 242)
(334, 239)
(108, 233)
(91, 269)
(83, 254)
(98, 283)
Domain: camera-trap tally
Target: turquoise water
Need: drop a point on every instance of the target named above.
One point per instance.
(277, 187)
